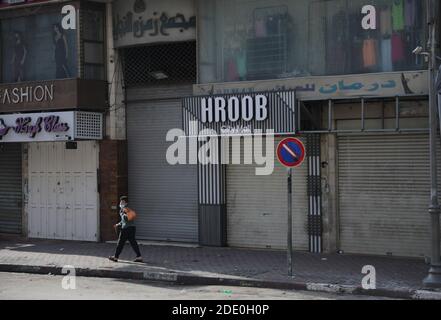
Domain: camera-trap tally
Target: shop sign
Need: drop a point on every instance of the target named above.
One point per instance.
(240, 114)
(56, 126)
(26, 94)
(142, 21)
(332, 87)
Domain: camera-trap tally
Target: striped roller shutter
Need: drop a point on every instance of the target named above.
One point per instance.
(384, 191)
(10, 188)
(257, 206)
(164, 196)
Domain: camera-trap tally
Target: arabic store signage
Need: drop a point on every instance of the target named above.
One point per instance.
(142, 21)
(57, 126)
(331, 87)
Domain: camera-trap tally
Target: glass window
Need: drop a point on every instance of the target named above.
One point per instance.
(93, 44)
(268, 39)
(37, 48)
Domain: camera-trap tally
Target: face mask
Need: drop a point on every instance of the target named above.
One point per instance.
(122, 205)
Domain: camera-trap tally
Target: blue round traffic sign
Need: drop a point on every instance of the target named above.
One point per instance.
(291, 152)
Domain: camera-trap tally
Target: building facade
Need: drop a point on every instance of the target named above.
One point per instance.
(53, 105)
(360, 101)
(340, 75)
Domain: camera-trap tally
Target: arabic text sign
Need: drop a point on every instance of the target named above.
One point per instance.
(291, 152)
(142, 21)
(314, 88)
(56, 126)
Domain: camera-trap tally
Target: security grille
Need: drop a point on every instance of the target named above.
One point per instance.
(160, 64)
(88, 125)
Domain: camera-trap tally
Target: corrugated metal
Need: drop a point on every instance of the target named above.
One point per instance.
(10, 188)
(384, 191)
(257, 206)
(164, 196)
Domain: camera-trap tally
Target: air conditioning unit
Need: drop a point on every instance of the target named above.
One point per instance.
(15, 1)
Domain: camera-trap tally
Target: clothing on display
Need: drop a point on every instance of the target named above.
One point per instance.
(241, 62)
(386, 55)
(369, 53)
(398, 53)
(398, 15)
(385, 22)
(260, 28)
(336, 53)
(410, 10)
(232, 73)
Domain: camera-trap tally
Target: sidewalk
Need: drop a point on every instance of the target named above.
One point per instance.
(396, 277)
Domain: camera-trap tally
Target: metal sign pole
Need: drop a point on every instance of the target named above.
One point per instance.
(289, 222)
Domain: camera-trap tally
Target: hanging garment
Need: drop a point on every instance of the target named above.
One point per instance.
(241, 62)
(357, 56)
(260, 28)
(397, 43)
(232, 74)
(409, 13)
(273, 25)
(398, 15)
(385, 22)
(386, 55)
(336, 48)
(369, 53)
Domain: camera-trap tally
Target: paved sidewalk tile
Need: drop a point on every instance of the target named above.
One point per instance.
(392, 273)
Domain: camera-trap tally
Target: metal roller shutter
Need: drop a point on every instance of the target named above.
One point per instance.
(10, 188)
(164, 196)
(257, 206)
(384, 188)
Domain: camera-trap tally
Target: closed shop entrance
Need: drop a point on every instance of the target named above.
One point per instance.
(384, 188)
(257, 206)
(63, 191)
(165, 196)
(10, 188)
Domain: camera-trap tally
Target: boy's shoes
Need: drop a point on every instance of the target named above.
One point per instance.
(138, 259)
(113, 259)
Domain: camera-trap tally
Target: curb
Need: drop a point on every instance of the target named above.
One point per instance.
(192, 280)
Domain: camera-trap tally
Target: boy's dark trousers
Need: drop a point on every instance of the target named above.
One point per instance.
(124, 235)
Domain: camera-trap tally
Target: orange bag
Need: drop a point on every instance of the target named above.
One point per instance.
(131, 214)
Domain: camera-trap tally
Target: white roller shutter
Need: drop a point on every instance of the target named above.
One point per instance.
(384, 189)
(164, 196)
(257, 206)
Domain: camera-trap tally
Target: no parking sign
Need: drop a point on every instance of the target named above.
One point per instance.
(291, 152)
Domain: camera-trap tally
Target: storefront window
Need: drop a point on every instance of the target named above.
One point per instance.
(93, 43)
(269, 39)
(36, 48)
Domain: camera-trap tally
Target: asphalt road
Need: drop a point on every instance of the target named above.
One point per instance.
(15, 286)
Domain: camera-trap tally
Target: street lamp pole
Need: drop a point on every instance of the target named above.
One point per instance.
(433, 280)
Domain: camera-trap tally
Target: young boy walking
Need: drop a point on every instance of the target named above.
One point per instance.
(128, 232)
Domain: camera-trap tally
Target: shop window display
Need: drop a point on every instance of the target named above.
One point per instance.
(37, 48)
(252, 40)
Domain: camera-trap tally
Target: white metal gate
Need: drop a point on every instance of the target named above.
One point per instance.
(257, 206)
(63, 191)
(384, 188)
